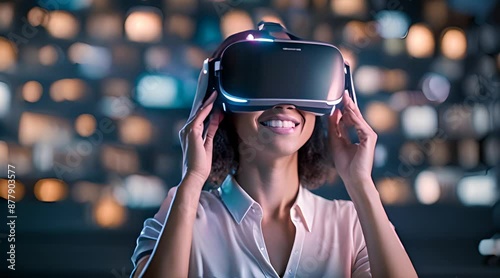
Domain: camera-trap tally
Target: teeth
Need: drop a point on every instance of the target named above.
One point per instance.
(279, 123)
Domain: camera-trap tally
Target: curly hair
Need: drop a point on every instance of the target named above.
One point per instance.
(314, 167)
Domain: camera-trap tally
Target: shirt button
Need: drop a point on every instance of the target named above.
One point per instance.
(290, 271)
(262, 249)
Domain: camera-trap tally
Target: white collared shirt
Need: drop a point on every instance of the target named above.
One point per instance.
(228, 239)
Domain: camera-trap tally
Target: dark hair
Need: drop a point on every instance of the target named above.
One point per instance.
(314, 166)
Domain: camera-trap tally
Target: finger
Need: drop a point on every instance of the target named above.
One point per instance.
(338, 128)
(363, 130)
(334, 120)
(204, 111)
(351, 107)
(215, 120)
(344, 135)
(349, 103)
(194, 128)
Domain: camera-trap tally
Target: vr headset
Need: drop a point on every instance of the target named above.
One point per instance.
(255, 70)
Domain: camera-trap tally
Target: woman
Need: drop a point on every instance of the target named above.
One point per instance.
(262, 221)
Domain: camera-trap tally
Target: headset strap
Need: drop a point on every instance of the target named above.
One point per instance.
(274, 27)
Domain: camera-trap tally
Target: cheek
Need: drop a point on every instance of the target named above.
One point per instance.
(309, 127)
(245, 125)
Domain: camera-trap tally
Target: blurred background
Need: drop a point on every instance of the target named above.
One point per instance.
(93, 94)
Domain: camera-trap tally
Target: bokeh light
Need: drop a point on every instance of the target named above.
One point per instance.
(93, 61)
(381, 117)
(68, 90)
(14, 188)
(478, 190)
(8, 54)
(468, 153)
(481, 120)
(235, 21)
(62, 25)
(454, 43)
(85, 125)
(436, 87)
(157, 57)
(120, 160)
(43, 156)
(32, 91)
(395, 80)
(491, 150)
(5, 96)
(427, 188)
(412, 153)
(6, 15)
(368, 79)
(86, 192)
(381, 155)
(37, 128)
(180, 25)
(109, 213)
(144, 191)
(349, 8)
(144, 25)
(392, 24)
(419, 121)
(38, 16)
(135, 130)
(50, 190)
(489, 247)
(158, 91)
(394, 190)
(48, 55)
(105, 26)
(359, 33)
(440, 152)
(420, 41)
(4, 153)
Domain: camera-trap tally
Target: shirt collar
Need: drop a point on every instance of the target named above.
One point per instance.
(238, 202)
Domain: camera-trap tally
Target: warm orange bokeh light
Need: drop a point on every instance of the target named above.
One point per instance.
(17, 189)
(50, 190)
(454, 43)
(420, 41)
(108, 213)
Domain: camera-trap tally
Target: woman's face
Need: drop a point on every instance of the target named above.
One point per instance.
(275, 132)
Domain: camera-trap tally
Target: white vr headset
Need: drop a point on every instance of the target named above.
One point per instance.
(253, 70)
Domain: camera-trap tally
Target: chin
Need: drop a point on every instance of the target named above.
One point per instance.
(280, 147)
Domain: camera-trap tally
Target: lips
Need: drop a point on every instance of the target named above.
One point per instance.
(279, 123)
(279, 118)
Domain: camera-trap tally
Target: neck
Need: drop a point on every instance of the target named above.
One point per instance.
(273, 183)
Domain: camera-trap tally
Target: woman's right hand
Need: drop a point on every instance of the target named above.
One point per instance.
(197, 151)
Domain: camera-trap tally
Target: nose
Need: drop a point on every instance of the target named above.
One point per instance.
(284, 106)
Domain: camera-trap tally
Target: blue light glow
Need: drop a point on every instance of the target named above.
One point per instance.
(158, 91)
(235, 99)
(392, 24)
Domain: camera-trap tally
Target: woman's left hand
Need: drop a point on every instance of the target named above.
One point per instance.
(353, 161)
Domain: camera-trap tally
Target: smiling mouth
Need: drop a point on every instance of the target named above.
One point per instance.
(279, 124)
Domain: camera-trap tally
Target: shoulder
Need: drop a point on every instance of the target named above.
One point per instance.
(331, 209)
(208, 200)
